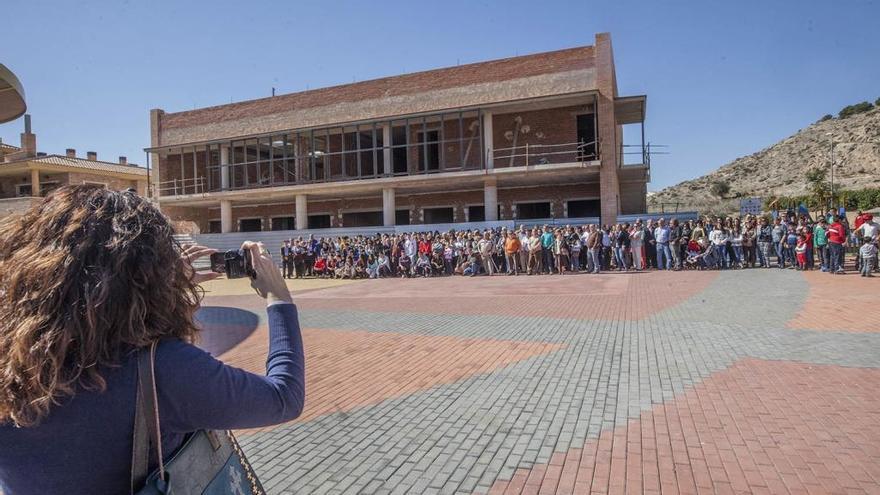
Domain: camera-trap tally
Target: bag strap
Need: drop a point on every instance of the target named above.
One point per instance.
(147, 432)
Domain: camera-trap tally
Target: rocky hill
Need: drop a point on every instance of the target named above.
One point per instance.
(780, 169)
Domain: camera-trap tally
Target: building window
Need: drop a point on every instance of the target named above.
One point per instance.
(283, 223)
(438, 215)
(401, 217)
(215, 227)
(319, 222)
(586, 136)
(429, 150)
(529, 211)
(24, 190)
(362, 219)
(250, 225)
(399, 149)
(584, 208)
(476, 213)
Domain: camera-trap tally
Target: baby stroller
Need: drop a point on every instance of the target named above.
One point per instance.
(710, 258)
(694, 261)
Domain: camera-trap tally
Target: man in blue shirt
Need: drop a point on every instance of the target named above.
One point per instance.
(661, 237)
(547, 244)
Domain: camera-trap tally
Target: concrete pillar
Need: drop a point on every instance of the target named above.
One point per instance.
(488, 142)
(225, 216)
(490, 201)
(388, 208)
(387, 166)
(35, 182)
(297, 163)
(302, 212)
(224, 167)
(608, 131)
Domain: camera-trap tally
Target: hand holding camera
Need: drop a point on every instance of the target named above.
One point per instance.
(265, 277)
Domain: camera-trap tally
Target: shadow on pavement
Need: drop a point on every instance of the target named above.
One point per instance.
(224, 328)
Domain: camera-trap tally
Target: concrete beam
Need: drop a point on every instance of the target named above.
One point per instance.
(225, 216)
(302, 212)
(388, 207)
(490, 201)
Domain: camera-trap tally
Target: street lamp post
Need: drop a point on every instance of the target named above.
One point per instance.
(831, 138)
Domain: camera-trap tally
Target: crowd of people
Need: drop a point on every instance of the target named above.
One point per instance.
(785, 241)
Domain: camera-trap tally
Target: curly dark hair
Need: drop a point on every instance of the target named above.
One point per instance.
(86, 275)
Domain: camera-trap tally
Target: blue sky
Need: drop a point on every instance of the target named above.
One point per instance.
(723, 79)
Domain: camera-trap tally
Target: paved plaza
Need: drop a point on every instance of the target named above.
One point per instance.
(753, 381)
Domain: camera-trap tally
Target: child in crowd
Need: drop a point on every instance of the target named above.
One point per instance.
(404, 266)
(801, 252)
(423, 265)
(320, 266)
(868, 254)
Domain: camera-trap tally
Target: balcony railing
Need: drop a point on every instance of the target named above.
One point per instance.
(179, 187)
(545, 154)
(411, 159)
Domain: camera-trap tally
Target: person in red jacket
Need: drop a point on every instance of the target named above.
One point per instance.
(836, 238)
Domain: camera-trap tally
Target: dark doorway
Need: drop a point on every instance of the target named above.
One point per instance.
(319, 221)
(283, 223)
(584, 208)
(586, 135)
(528, 211)
(438, 215)
(250, 225)
(362, 219)
(476, 213)
(401, 217)
(215, 227)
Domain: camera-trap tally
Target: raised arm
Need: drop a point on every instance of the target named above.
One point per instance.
(198, 391)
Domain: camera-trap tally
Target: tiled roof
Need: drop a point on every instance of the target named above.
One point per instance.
(64, 161)
(8, 148)
(452, 77)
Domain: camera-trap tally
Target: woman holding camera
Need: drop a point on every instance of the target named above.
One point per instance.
(88, 278)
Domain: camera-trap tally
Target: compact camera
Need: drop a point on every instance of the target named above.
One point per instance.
(235, 263)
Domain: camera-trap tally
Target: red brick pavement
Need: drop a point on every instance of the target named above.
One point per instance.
(840, 303)
(610, 296)
(759, 427)
(350, 369)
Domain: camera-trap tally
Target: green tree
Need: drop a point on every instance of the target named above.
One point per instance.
(719, 188)
(850, 110)
(819, 188)
(825, 117)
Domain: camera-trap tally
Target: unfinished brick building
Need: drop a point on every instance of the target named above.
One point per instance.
(527, 138)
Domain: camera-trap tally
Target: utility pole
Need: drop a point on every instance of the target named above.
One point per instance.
(831, 155)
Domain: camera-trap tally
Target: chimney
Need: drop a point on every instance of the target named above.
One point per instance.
(92, 156)
(71, 153)
(123, 160)
(28, 139)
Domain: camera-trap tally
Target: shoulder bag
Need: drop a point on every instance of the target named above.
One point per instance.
(209, 461)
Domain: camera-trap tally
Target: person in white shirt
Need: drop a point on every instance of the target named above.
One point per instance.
(718, 239)
(523, 248)
(637, 239)
(411, 249)
(869, 230)
(486, 248)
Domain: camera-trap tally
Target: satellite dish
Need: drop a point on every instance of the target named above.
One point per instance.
(12, 105)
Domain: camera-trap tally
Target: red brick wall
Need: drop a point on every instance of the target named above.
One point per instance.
(539, 127)
(458, 200)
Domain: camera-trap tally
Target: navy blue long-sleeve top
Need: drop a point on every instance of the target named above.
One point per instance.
(84, 444)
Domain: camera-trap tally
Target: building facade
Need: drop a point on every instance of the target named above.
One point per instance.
(523, 138)
(26, 175)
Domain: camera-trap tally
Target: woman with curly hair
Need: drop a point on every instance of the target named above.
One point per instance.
(88, 277)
